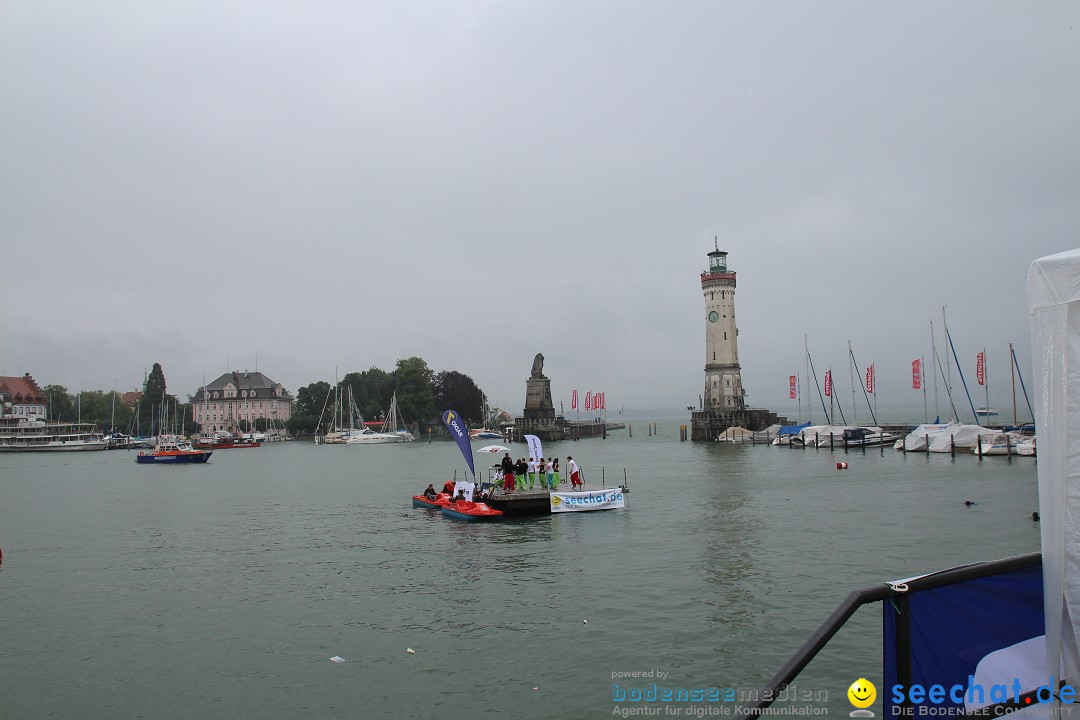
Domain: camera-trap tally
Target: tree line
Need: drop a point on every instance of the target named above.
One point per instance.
(422, 396)
(108, 412)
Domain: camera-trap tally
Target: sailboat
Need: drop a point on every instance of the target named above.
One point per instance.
(393, 421)
(488, 431)
(389, 434)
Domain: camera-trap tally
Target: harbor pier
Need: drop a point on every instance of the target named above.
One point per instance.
(710, 424)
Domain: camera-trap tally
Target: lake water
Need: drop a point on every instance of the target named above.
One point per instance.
(223, 590)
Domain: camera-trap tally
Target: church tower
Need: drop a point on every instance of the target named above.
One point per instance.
(723, 379)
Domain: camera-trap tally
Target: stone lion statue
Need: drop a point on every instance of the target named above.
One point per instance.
(538, 366)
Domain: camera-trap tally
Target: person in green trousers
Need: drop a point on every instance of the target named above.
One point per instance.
(519, 471)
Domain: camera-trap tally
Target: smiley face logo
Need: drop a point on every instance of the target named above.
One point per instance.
(862, 693)
(555, 500)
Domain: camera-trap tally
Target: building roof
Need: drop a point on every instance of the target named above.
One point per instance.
(257, 385)
(21, 390)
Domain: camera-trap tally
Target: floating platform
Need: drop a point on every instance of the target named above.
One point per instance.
(521, 502)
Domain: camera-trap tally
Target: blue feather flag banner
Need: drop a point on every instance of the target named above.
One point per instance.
(456, 425)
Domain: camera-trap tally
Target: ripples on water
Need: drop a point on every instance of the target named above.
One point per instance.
(221, 591)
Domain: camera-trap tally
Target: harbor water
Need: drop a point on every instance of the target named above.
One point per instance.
(224, 590)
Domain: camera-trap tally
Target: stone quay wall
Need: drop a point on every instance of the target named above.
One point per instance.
(709, 424)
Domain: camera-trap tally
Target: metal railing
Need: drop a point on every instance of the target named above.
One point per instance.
(858, 598)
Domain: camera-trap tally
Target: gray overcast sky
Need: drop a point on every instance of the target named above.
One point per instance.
(342, 184)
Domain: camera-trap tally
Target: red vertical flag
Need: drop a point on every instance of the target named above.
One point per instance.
(916, 374)
(980, 368)
(828, 383)
(870, 379)
(603, 401)
(588, 400)
(573, 401)
(793, 387)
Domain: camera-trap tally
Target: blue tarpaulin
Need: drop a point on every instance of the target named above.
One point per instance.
(954, 628)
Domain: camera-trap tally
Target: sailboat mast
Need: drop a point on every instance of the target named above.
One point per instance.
(809, 407)
(961, 373)
(948, 367)
(933, 371)
(873, 375)
(798, 394)
(832, 396)
(1012, 376)
(922, 382)
(1023, 387)
(851, 378)
(867, 387)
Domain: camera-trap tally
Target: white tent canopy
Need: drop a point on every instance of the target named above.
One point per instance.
(1054, 304)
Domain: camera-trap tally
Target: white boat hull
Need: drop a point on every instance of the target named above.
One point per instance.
(59, 446)
(375, 439)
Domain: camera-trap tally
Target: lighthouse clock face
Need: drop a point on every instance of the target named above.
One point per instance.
(714, 316)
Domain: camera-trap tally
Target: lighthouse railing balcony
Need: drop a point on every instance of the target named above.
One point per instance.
(717, 276)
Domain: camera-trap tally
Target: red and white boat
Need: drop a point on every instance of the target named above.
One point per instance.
(173, 451)
(470, 511)
(436, 503)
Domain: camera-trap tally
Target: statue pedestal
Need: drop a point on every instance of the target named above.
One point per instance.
(538, 396)
(538, 418)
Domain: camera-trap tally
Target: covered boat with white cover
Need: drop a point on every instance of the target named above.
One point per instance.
(735, 434)
(785, 434)
(920, 437)
(961, 437)
(809, 435)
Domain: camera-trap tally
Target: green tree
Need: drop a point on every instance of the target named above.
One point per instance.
(302, 424)
(94, 408)
(373, 411)
(120, 415)
(458, 391)
(157, 406)
(373, 387)
(310, 399)
(415, 383)
(60, 404)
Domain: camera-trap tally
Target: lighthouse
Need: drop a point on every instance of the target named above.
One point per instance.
(723, 404)
(723, 376)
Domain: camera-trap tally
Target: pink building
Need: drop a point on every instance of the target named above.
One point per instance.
(237, 396)
(21, 397)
